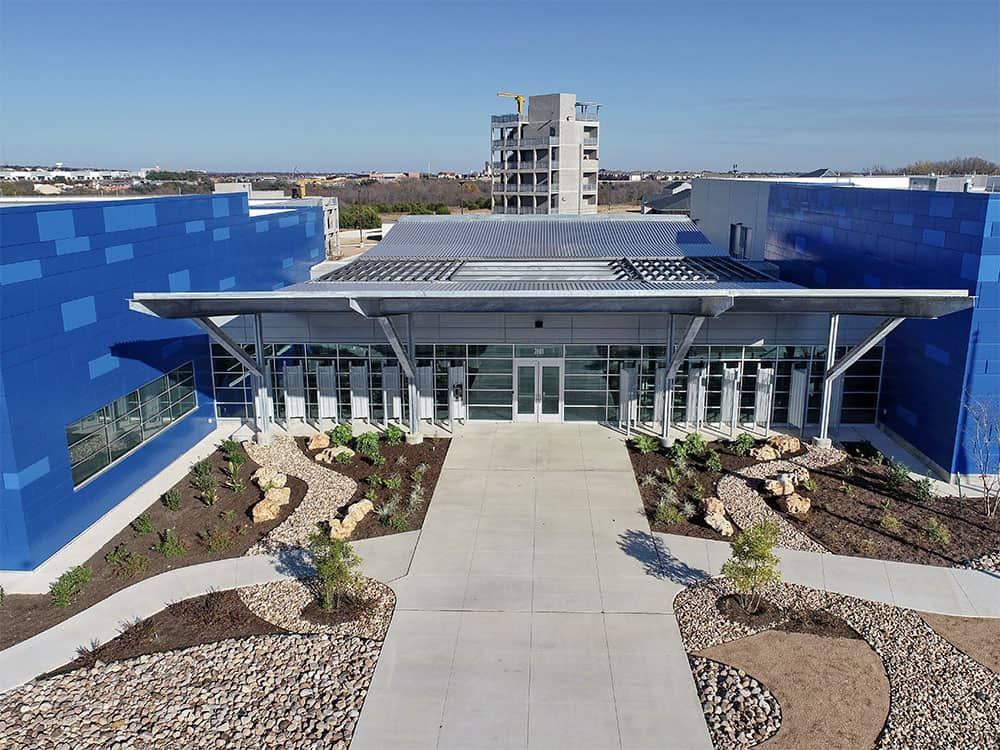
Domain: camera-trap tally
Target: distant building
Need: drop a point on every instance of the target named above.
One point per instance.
(545, 160)
(675, 199)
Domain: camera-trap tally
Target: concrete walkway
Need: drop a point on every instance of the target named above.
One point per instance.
(532, 615)
(385, 559)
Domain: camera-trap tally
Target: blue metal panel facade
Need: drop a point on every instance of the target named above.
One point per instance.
(827, 236)
(69, 344)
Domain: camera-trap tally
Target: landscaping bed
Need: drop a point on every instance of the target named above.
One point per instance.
(199, 533)
(866, 508)
(405, 481)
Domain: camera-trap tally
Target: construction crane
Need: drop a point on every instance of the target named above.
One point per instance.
(518, 97)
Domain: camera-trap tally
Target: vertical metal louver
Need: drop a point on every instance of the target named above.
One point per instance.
(763, 398)
(695, 397)
(294, 392)
(730, 399)
(326, 387)
(359, 392)
(391, 393)
(797, 396)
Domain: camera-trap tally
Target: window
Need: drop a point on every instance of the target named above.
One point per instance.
(106, 435)
(739, 241)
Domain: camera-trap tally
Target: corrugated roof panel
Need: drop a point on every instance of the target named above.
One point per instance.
(601, 236)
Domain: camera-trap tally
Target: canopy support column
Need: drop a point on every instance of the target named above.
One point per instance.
(411, 380)
(836, 368)
(262, 376)
(690, 334)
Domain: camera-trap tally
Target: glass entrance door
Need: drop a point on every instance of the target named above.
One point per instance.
(539, 390)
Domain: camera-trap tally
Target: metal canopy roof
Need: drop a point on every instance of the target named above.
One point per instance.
(596, 236)
(398, 299)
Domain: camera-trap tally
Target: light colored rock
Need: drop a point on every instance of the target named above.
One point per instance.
(781, 485)
(265, 476)
(764, 453)
(360, 509)
(329, 455)
(784, 443)
(720, 523)
(711, 505)
(266, 510)
(319, 441)
(342, 529)
(800, 475)
(280, 495)
(795, 504)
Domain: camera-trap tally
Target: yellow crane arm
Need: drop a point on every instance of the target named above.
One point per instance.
(518, 97)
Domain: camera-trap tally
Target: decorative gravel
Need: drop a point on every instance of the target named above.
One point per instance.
(989, 562)
(746, 506)
(281, 603)
(939, 697)
(277, 691)
(327, 492)
(739, 710)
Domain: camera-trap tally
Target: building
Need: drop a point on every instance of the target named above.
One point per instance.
(674, 199)
(545, 160)
(839, 236)
(638, 321)
(94, 398)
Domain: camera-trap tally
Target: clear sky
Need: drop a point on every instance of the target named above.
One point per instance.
(373, 84)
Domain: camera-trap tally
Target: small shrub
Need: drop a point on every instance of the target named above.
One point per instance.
(648, 480)
(922, 489)
(142, 525)
(373, 480)
(420, 469)
(235, 482)
(171, 500)
(878, 459)
(695, 444)
(646, 443)
(170, 544)
(393, 482)
(712, 461)
(207, 487)
(753, 564)
(371, 494)
(416, 497)
(897, 474)
(809, 485)
(341, 434)
(667, 513)
(884, 504)
(890, 523)
(679, 452)
(846, 489)
(230, 447)
(67, 587)
(202, 469)
(398, 522)
(216, 539)
(671, 475)
(242, 529)
(343, 458)
(402, 460)
(669, 496)
(688, 510)
(228, 515)
(743, 444)
(937, 532)
(697, 491)
(336, 567)
(366, 444)
(393, 435)
(681, 465)
(848, 470)
(377, 459)
(127, 563)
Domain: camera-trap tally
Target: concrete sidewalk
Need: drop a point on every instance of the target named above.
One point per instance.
(385, 558)
(533, 615)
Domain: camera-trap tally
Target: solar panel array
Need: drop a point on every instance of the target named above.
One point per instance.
(659, 270)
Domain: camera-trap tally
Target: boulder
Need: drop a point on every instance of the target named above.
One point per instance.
(720, 523)
(319, 441)
(800, 475)
(268, 476)
(784, 443)
(280, 495)
(266, 510)
(713, 506)
(781, 485)
(795, 504)
(764, 453)
(360, 509)
(329, 455)
(342, 529)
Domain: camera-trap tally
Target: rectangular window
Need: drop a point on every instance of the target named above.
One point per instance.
(106, 435)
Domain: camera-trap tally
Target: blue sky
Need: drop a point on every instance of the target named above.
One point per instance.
(230, 85)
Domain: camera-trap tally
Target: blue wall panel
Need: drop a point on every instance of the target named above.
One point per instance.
(69, 344)
(903, 239)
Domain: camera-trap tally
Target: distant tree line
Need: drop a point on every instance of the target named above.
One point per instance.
(165, 176)
(959, 165)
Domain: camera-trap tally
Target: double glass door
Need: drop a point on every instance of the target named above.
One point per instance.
(539, 390)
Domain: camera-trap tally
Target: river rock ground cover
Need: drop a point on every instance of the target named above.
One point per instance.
(206, 532)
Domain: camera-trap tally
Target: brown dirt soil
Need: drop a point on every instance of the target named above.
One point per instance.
(431, 452)
(833, 692)
(977, 637)
(202, 619)
(847, 510)
(349, 610)
(652, 463)
(24, 615)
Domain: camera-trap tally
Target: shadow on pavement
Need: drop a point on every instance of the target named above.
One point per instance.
(657, 560)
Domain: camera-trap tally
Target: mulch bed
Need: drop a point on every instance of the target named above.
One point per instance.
(349, 610)
(25, 615)
(770, 616)
(191, 622)
(431, 451)
(847, 510)
(653, 463)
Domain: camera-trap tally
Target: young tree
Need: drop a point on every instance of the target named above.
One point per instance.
(753, 563)
(336, 567)
(984, 446)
